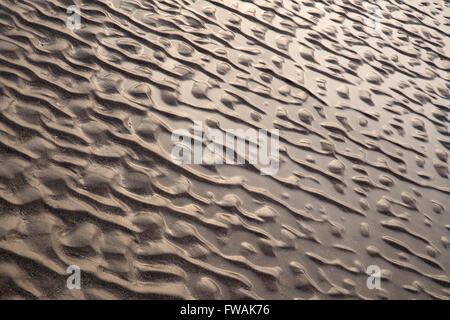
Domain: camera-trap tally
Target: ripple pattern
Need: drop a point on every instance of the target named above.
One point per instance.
(86, 176)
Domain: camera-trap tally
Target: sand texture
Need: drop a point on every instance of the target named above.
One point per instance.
(361, 101)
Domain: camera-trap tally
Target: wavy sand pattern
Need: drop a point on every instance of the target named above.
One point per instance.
(86, 176)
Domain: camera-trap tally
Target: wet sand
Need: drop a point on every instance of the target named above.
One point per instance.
(361, 103)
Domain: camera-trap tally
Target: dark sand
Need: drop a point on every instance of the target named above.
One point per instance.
(86, 176)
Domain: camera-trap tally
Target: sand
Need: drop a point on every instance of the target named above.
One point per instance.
(360, 97)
